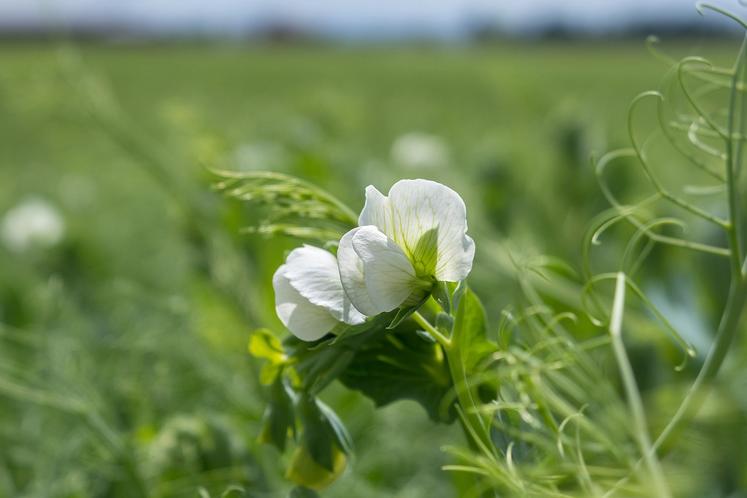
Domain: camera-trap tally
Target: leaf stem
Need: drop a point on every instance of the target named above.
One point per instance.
(444, 341)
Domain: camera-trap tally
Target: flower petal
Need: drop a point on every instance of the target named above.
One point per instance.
(390, 278)
(314, 273)
(351, 275)
(306, 321)
(376, 211)
(428, 221)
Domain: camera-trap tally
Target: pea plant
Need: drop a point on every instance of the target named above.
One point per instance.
(546, 393)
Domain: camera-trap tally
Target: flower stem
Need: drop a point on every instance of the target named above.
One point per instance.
(475, 429)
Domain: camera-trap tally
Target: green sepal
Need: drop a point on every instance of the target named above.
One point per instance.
(445, 323)
(405, 312)
(442, 295)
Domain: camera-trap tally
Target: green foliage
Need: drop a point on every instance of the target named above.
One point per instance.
(400, 364)
(123, 349)
(279, 418)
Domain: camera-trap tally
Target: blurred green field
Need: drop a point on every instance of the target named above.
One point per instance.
(123, 364)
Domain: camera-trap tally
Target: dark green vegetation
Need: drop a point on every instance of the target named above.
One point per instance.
(123, 364)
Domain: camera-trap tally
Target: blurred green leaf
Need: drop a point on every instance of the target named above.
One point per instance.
(279, 418)
(322, 432)
(263, 344)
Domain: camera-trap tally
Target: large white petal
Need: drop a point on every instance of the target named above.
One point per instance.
(428, 221)
(306, 321)
(351, 275)
(314, 273)
(390, 278)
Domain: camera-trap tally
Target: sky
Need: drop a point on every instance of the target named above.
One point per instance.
(350, 18)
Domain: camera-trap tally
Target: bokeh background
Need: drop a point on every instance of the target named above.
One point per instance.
(127, 288)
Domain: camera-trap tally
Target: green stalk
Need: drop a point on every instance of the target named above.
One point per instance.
(737, 297)
(727, 330)
(631, 390)
(474, 427)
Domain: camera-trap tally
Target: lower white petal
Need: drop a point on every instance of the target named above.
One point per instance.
(305, 320)
(389, 276)
(314, 273)
(351, 275)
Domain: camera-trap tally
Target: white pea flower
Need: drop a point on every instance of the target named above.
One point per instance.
(419, 150)
(406, 242)
(32, 223)
(309, 298)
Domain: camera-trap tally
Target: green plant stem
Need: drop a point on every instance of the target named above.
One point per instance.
(727, 330)
(631, 390)
(474, 427)
(737, 297)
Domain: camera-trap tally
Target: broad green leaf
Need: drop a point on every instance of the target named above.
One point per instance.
(385, 365)
(321, 362)
(399, 364)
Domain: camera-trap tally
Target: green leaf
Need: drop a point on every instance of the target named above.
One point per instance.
(385, 365)
(316, 438)
(279, 416)
(398, 365)
(322, 432)
(470, 331)
(319, 363)
(344, 441)
(264, 345)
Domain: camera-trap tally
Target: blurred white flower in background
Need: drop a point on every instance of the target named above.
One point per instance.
(33, 222)
(260, 155)
(419, 150)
